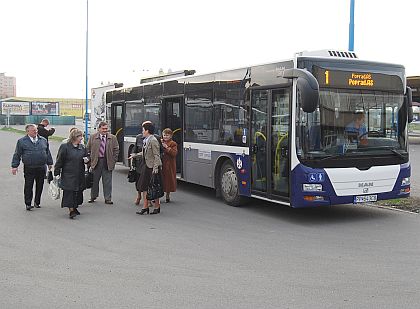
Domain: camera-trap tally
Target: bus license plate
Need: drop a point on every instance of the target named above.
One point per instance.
(365, 198)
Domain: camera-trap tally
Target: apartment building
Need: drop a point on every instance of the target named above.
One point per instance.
(7, 86)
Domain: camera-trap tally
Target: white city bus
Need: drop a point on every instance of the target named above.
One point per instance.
(278, 132)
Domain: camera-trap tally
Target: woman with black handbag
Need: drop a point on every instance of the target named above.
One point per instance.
(135, 168)
(149, 164)
(70, 166)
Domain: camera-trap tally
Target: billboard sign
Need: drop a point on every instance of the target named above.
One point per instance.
(45, 108)
(15, 108)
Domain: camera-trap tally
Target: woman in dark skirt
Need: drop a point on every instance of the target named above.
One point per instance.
(149, 164)
(70, 165)
(137, 162)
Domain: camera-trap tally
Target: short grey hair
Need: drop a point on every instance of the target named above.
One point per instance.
(28, 126)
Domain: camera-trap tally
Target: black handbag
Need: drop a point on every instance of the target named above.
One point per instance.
(155, 189)
(132, 173)
(88, 179)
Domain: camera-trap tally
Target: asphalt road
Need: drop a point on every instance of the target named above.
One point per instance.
(415, 169)
(201, 253)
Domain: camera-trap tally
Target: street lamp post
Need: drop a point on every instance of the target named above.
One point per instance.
(351, 26)
(87, 45)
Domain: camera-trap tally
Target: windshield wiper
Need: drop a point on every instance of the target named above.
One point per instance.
(390, 148)
(398, 153)
(331, 157)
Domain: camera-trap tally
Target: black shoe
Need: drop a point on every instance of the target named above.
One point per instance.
(72, 214)
(143, 211)
(29, 207)
(155, 211)
(92, 200)
(109, 202)
(37, 205)
(76, 211)
(167, 200)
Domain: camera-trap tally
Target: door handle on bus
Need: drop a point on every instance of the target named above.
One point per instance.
(254, 149)
(284, 152)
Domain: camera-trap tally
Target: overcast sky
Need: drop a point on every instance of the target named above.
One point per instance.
(43, 41)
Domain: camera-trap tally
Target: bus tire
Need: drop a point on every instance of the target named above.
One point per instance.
(229, 186)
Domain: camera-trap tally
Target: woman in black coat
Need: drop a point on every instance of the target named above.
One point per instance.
(70, 165)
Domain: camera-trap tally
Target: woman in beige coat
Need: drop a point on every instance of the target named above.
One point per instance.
(150, 163)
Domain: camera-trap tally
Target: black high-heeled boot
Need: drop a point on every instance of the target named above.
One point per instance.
(155, 211)
(143, 211)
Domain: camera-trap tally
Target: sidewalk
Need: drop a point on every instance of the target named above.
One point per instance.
(414, 137)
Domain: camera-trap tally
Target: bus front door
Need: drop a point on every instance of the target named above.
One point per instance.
(173, 120)
(270, 143)
(117, 127)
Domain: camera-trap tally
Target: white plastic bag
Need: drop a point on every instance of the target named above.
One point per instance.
(54, 191)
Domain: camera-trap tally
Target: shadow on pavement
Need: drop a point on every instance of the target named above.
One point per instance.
(305, 216)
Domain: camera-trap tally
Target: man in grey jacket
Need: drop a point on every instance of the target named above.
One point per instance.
(35, 154)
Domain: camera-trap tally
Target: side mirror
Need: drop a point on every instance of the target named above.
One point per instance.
(409, 101)
(307, 88)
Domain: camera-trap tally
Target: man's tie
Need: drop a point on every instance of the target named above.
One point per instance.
(102, 147)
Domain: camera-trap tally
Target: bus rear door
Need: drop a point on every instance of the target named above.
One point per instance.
(117, 126)
(172, 118)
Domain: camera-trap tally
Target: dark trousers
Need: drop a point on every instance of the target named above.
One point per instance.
(101, 171)
(37, 175)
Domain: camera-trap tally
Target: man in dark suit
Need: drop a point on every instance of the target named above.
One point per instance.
(35, 154)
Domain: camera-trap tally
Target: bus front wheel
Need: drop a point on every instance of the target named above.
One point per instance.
(229, 187)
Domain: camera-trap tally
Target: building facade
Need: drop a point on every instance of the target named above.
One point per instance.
(7, 86)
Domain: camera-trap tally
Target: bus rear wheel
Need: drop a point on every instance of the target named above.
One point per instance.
(229, 187)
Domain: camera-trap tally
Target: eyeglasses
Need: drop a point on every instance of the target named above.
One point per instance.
(79, 135)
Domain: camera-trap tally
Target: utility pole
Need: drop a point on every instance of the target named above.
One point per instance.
(87, 102)
(351, 26)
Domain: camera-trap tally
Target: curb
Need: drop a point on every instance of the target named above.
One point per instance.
(392, 208)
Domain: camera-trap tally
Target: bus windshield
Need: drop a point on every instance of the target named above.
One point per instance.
(352, 123)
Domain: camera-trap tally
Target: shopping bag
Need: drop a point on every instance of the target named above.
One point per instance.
(155, 189)
(54, 191)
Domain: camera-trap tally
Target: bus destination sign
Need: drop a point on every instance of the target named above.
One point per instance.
(357, 80)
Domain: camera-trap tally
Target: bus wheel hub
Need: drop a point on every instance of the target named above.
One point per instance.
(229, 183)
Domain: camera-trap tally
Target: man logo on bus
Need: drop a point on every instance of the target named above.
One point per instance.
(239, 163)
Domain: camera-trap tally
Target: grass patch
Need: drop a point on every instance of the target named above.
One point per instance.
(411, 204)
(414, 126)
(23, 132)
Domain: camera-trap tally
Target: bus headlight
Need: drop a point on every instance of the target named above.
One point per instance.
(312, 187)
(405, 181)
